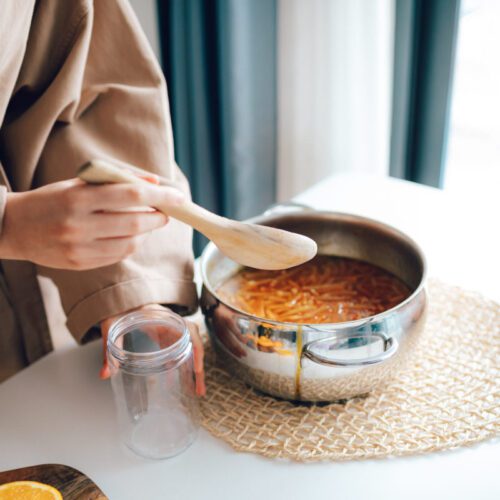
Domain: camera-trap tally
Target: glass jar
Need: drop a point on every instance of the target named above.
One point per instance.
(151, 361)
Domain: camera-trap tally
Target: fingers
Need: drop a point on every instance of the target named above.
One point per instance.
(114, 225)
(152, 178)
(198, 354)
(118, 196)
(228, 333)
(139, 172)
(100, 253)
(163, 338)
(105, 372)
(110, 248)
(227, 337)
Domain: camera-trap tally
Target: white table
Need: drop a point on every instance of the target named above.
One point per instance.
(58, 411)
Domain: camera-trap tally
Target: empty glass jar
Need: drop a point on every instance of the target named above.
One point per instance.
(151, 361)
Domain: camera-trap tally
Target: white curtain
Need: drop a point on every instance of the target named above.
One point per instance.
(334, 89)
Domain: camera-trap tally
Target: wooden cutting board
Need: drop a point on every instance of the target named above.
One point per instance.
(73, 484)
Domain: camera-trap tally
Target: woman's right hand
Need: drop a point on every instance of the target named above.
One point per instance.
(73, 225)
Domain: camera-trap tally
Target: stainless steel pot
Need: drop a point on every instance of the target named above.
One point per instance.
(320, 362)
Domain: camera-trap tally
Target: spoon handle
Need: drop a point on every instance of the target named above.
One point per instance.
(102, 172)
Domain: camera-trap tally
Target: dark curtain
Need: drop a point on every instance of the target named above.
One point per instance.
(424, 55)
(219, 59)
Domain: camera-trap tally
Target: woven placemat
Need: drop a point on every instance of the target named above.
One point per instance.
(448, 397)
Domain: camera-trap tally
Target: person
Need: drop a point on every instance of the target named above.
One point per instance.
(79, 81)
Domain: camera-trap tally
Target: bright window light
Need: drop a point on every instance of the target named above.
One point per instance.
(473, 160)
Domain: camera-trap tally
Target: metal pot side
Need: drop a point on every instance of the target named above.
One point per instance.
(325, 362)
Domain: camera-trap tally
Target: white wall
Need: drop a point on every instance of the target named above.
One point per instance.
(334, 89)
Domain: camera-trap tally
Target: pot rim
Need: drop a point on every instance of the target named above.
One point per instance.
(211, 247)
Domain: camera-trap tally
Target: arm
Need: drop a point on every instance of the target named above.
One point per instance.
(95, 90)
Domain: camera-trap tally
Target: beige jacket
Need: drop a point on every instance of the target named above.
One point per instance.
(78, 80)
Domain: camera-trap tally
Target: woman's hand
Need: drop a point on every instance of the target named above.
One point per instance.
(73, 225)
(195, 339)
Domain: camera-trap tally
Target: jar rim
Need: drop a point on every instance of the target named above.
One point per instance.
(135, 319)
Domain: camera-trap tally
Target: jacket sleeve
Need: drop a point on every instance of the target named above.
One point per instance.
(90, 87)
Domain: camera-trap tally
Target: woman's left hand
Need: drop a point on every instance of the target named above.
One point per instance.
(195, 338)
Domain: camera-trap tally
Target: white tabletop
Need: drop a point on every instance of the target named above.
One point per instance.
(58, 411)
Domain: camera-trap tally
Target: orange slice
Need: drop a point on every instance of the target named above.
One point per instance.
(28, 490)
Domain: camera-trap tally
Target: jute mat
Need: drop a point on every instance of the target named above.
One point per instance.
(448, 397)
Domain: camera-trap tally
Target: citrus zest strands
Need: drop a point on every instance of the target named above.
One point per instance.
(323, 290)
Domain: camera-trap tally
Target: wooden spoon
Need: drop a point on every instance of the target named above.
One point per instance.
(251, 245)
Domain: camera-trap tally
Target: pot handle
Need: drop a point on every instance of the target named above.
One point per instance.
(390, 348)
(287, 206)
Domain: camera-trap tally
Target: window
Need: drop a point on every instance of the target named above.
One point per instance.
(473, 159)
